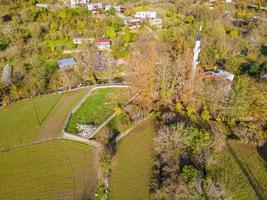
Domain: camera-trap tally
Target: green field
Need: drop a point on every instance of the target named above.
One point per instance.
(243, 172)
(98, 107)
(51, 170)
(20, 124)
(131, 167)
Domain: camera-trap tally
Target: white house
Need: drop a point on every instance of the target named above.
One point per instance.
(42, 5)
(79, 2)
(103, 44)
(146, 14)
(95, 6)
(157, 22)
(79, 41)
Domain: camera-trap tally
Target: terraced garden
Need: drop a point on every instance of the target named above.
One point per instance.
(52, 170)
(131, 167)
(98, 107)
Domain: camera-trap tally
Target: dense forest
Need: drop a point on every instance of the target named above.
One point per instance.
(196, 116)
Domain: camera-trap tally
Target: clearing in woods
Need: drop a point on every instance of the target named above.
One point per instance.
(132, 165)
(58, 169)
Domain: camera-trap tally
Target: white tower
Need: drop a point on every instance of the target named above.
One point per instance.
(196, 54)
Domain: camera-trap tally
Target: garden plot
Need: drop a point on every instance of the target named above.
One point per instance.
(97, 108)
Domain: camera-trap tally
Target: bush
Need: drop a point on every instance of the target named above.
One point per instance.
(190, 174)
(179, 107)
(190, 110)
(195, 138)
(205, 115)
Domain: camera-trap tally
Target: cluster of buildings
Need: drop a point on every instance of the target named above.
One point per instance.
(104, 44)
(140, 18)
(94, 7)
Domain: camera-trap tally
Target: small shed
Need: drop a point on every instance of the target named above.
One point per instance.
(42, 5)
(67, 62)
(6, 74)
(79, 41)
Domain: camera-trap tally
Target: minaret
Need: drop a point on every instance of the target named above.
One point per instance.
(196, 54)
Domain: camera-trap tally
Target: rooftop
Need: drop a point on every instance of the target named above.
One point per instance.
(67, 62)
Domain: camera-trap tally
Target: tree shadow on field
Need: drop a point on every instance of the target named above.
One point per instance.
(263, 152)
(248, 174)
(263, 50)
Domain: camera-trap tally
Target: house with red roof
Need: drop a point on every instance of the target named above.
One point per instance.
(103, 44)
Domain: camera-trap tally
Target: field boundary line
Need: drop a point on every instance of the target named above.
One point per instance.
(29, 144)
(52, 108)
(247, 173)
(138, 123)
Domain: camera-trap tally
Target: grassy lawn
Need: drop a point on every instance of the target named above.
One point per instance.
(131, 167)
(243, 171)
(98, 107)
(19, 124)
(51, 170)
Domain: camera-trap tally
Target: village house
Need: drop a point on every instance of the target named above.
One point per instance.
(134, 23)
(66, 63)
(157, 22)
(103, 44)
(95, 6)
(6, 74)
(220, 74)
(79, 41)
(146, 14)
(42, 5)
(79, 2)
(118, 8)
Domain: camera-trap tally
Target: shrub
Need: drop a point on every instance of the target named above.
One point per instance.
(179, 107)
(195, 138)
(190, 174)
(206, 115)
(190, 110)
